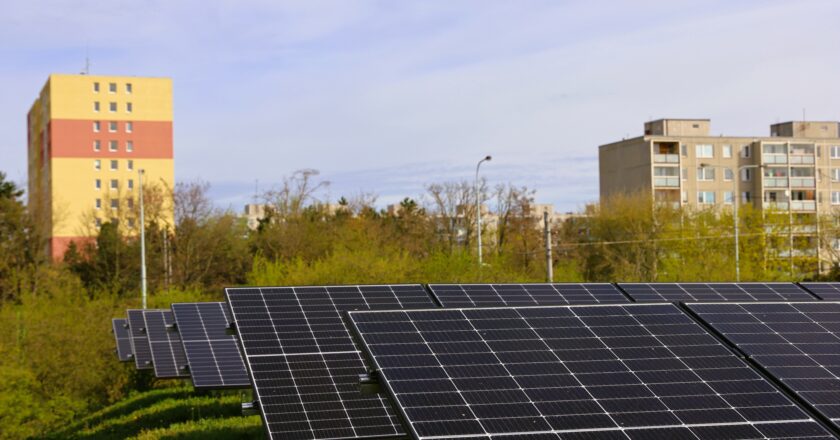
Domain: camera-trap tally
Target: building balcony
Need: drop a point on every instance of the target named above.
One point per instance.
(801, 160)
(666, 158)
(803, 205)
(802, 182)
(669, 182)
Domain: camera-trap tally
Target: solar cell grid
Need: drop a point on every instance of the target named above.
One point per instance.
(139, 340)
(119, 327)
(797, 343)
(168, 356)
(699, 292)
(613, 371)
(212, 354)
(303, 362)
(537, 294)
(825, 291)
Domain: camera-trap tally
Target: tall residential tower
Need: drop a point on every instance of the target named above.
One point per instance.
(88, 137)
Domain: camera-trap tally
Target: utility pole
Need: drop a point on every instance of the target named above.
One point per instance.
(142, 239)
(478, 207)
(549, 262)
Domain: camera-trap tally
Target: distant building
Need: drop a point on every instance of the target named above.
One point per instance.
(254, 213)
(88, 136)
(677, 161)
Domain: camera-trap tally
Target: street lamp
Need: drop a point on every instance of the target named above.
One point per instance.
(478, 205)
(736, 196)
(140, 173)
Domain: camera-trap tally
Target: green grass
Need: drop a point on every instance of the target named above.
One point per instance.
(209, 429)
(167, 413)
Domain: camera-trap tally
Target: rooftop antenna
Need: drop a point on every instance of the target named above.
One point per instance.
(87, 63)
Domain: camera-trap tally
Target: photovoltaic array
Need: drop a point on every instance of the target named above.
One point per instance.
(669, 292)
(572, 372)
(120, 328)
(305, 367)
(825, 291)
(168, 356)
(541, 294)
(797, 343)
(212, 354)
(139, 340)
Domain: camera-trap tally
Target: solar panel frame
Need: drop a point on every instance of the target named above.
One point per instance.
(761, 426)
(168, 358)
(526, 294)
(715, 292)
(823, 291)
(213, 355)
(311, 344)
(119, 326)
(140, 347)
(780, 339)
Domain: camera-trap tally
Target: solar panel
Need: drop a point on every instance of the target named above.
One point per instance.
(168, 356)
(797, 343)
(303, 363)
(612, 371)
(139, 340)
(826, 291)
(119, 327)
(212, 353)
(538, 294)
(657, 292)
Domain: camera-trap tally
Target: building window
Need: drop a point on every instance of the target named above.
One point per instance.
(112, 146)
(96, 87)
(130, 203)
(98, 223)
(97, 164)
(727, 151)
(128, 88)
(128, 107)
(684, 196)
(112, 107)
(684, 173)
(115, 204)
(728, 174)
(705, 173)
(745, 151)
(98, 203)
(115, 184)
(97, 184)
(129, 146)
(114, 165)
(112, 126)
(96, 126)
(706, 197)
(835, 197)
(835, 151)
(96, 106)
(746, 175)
(130, 164)
(97, 145)
(129, 127)
(728, 197)
(112, 87)
(130, 183)
(746, 197)
(705, 150)
(684, 150)
(835, 174)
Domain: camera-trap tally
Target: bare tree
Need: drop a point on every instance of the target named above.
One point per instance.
(453, 207)
(296, 192)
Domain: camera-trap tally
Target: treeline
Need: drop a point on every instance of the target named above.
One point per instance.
(56, 358)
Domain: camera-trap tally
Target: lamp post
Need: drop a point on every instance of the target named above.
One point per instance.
(478, 206)
(142, 238)
(736, 196)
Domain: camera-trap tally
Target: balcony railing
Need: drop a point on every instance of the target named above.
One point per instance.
(781, 206)
(774, 158)
(803, 205)
(802, 182)
(775, 182)
(666, 158)
(795, 160)
(666, 181)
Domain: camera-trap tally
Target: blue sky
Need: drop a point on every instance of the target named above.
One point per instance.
(387, 96)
